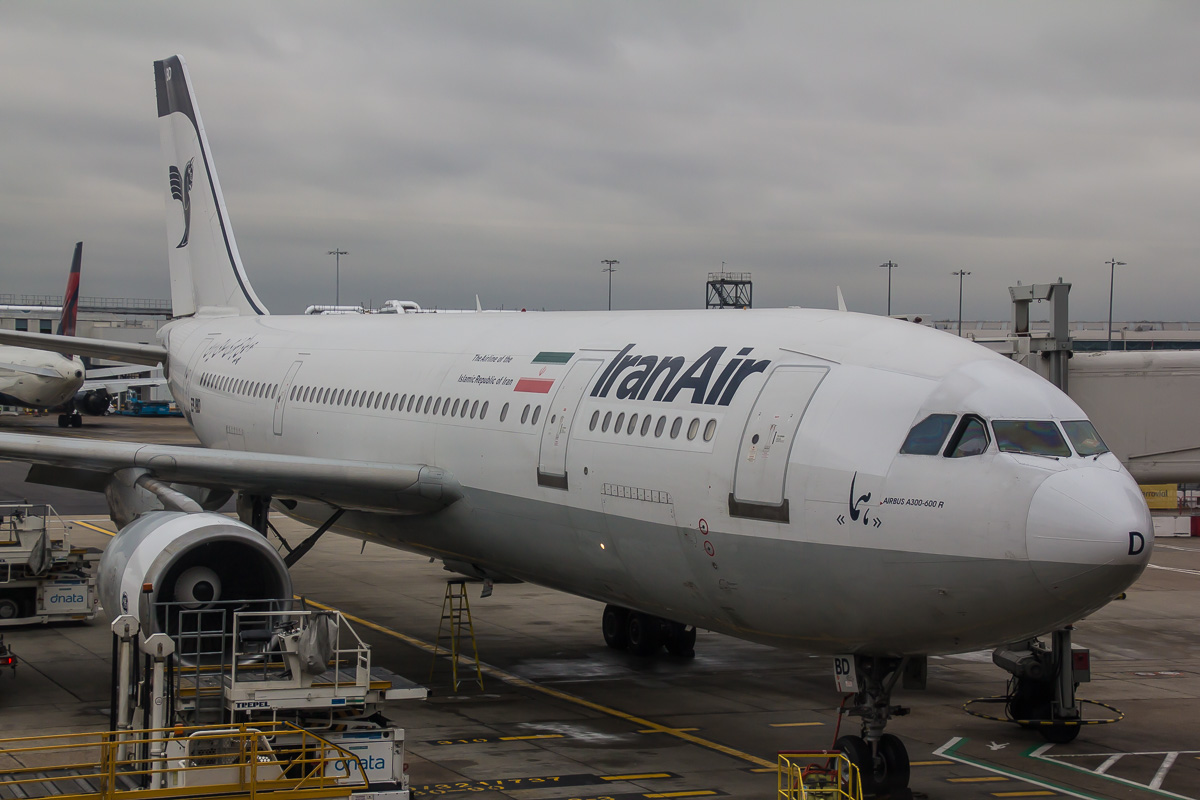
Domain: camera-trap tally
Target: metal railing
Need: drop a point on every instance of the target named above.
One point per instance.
(135, 305)
(818, 775)
(235, 761)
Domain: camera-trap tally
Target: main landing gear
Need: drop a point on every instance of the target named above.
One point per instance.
(643, 634)
(881, 758)
(72, 420)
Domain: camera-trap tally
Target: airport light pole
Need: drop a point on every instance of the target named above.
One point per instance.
(1112, 275)
(610, 266)
(337, 265)
(889, 266)
(962, 273)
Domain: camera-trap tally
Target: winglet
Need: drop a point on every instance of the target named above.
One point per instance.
(478, 307)
(70, 304)
(841, 300)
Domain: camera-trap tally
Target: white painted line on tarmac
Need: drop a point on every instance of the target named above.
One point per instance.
(1163, 769)
(1155, 785)
(948, 751)
(1175, 569)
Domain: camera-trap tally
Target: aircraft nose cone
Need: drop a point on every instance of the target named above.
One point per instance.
(1089, 535)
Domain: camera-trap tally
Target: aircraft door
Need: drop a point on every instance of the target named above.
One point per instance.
(552, 458)
(758, 480)
(191, 379)
(281, 398)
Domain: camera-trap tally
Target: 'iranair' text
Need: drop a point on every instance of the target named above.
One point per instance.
(635, 377)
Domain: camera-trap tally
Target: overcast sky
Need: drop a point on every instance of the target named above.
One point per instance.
(505, 149)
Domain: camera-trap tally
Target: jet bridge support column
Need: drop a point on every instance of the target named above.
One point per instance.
(1046, 353)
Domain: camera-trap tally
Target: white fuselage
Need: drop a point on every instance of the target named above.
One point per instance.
(38, 378)
(766, 496)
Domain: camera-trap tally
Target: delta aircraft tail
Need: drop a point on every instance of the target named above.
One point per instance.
(206, 269)
(70, 304)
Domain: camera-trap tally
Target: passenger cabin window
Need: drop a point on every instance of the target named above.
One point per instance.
(927, 436)
(971, 438)
(1040, 438)
(1087, 442)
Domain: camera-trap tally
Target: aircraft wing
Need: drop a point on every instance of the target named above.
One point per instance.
(117, 385)
(149, 354)
(109, 372)
(401, 488)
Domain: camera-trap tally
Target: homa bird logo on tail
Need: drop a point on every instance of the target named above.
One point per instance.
(181, 190)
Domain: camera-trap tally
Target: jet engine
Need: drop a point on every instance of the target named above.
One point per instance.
(94, 402)
(169, 569)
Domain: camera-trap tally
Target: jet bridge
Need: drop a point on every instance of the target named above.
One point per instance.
(1139, 401)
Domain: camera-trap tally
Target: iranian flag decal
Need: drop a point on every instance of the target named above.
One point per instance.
(541, 385)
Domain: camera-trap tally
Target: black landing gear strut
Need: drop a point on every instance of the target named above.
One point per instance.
(643, 634)
(881, 758)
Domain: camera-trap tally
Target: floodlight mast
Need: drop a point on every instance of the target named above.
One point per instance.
(610, 266)
(1112, 275)
(961, 274)
(889, 266)
(337, 265)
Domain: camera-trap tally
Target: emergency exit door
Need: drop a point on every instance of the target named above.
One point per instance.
(761, 471)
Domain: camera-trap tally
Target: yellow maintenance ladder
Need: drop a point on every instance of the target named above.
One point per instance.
(818, 775)
(456, 615)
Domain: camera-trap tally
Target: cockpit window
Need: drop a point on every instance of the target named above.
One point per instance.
(1024, 436)
(1083, 435)
(926, 437)
(971, 438)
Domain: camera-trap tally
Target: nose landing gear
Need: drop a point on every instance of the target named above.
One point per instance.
(881, 758)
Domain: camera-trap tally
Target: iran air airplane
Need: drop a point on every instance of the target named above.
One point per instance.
(828, 481)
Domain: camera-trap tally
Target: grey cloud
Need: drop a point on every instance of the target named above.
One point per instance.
(504, 149)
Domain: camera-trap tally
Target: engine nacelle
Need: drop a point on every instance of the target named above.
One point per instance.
(167, 563)
(94, 402)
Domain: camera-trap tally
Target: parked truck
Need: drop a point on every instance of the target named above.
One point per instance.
(43, 578)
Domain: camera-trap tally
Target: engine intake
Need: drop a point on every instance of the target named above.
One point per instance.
(168, 568)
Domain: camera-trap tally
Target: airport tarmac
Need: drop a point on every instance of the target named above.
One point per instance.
(562, 716)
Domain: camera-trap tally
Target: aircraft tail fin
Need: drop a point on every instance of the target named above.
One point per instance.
(206, 269)
(70, 304)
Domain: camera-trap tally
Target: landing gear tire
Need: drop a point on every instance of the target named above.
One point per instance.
(681, 640)
(76, 421)
(893, 757)
(886, 772)
(855, 748)
(63, 420)
(645, 634)
(615, 626)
